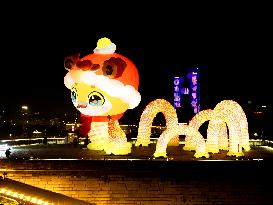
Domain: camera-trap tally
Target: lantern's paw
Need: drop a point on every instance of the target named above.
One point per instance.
(160, 154)
(142, 143)
(235, 153)
(98, 145)
(201, 155)
(119, 148)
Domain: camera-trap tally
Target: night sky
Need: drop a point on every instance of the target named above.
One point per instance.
(233, 51)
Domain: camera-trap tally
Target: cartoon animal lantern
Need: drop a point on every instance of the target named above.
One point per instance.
(103, 86)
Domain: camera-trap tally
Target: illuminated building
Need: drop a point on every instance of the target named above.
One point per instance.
(187, 93)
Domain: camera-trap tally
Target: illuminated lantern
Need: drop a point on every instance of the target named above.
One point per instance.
(216, 134)
(172, 131)
(103, 86)
(217, 137)
(196, 123)
(232, 113)
(229, 114)
(147, 117)
(181, 129)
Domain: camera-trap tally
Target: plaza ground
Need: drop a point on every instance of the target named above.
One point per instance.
(176, 153)
(93, 177)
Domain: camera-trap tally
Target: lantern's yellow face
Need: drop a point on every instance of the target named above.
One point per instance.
(92, 101)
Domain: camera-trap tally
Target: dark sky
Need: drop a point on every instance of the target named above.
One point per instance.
(232, 49)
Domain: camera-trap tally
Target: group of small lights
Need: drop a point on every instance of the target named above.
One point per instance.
(98, 136)
(223, 136)
(197, 139)
(172, 132)
(128, 126)
(115, 132)
(181, 129)
(217, 137)
(118, 141)
(232, 113)
(215, 129)
(261, 140)
(226, 113)
(146, 120)
(173, 129)
(195, 123)
(23, 197)
(108, 136)
(163, 140)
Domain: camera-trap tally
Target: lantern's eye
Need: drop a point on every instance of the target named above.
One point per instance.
(114, 67)
(74, 95)
(95, 99)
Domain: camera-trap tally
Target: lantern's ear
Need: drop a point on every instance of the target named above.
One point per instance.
(71, 61)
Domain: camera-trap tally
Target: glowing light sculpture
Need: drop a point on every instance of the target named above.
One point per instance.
(147, 117)
(163, 140)
(118, 141)
(181, 129)
(229, 114)
(223, 136)
(103, 86)
(195, 123)
(174, 141)
(232, 113)
(99, 134)
(213, 132)
(173, 129)
(217, 137)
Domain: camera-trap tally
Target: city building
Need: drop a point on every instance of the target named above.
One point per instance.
(186, 92)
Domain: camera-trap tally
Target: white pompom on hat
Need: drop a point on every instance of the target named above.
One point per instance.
(105, 46)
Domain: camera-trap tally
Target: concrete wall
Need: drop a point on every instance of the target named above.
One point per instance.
(153, 183)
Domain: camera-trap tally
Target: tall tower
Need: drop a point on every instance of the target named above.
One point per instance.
(187, 93)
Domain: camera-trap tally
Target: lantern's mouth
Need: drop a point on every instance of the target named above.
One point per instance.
(81, 106)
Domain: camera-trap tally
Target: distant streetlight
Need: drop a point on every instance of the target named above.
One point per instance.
(24, 107)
